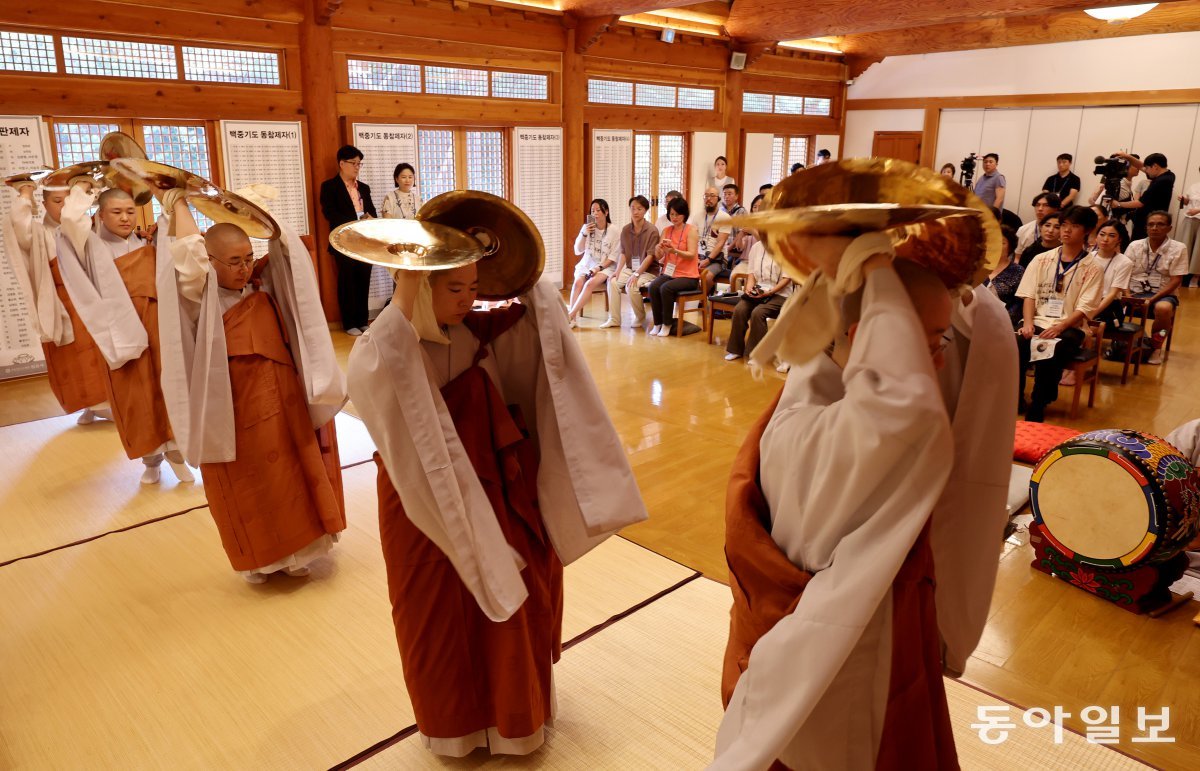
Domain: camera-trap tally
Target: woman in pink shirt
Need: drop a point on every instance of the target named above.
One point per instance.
(677, 253)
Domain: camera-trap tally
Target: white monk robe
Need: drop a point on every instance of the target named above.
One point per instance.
(854, 463)
(585, 492)
(30, 246)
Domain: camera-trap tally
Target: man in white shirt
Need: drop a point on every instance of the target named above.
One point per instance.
(1189, 229)
(766, 290)
(713, 229)
(1028, 234)
(1159, 265)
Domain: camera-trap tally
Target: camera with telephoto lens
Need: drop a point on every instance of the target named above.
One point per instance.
(968, 165)
(1113, 170)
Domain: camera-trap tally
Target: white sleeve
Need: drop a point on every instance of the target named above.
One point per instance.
(1186, 439)
(192, 267)
(1122, 273)
(76, 224)
(21, 217)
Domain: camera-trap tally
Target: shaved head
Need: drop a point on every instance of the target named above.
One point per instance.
(224, 236)
(113, 195)
(231, 253)
(118, 212)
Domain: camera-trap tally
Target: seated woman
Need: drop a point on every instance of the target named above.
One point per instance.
(677, 252)
(1004, 280)
(744, 241)
(596, 245)
(766, 291)
(1050, 229)
(402, 203)
(1118, 270)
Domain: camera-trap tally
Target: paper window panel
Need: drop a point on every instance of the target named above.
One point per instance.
(435, 148)
(817, 106)
(485, 162)
(456, 81)
(610, 92)
(80, 142)
(797, 150)
(777, 160)
(670, 165)
(789, 105)
(185, 147)
(697, 98)
(225, 65)
(752, 102)
(641, 165)
(119, 58)
(520, 85)
(384, 76)
(27, 52)
(650, 95)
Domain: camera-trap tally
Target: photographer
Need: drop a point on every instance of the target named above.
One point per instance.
(1159, 195)
(1125, 190)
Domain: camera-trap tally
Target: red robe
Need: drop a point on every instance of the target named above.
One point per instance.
(464, 672)
(77, 371)
(284, 490)
(767, 586)
(134, 390)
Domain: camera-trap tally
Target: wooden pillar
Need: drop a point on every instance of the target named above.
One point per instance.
(733, 128)
(320, 105)
(929, 137)
(574, 97)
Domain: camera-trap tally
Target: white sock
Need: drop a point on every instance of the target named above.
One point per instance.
(86, 417)
(182, 472)
(152, 475)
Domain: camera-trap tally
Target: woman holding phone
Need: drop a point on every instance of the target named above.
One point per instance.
(596, 246)
(677, 252)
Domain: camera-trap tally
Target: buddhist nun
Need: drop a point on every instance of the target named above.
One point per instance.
(490, 430)
(864, 520)
(74, 366)
(251, 353)
(110, 274)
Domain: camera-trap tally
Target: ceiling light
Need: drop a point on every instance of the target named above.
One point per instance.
(1119, 13)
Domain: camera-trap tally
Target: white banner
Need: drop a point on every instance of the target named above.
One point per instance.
(612, 171)
(384, 146)
(271, 153)
(21, 149)
(538, 188)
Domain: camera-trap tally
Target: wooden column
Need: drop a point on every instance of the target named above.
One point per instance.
(574, 97)
(320, 105)
(929, 139)
(733, 129)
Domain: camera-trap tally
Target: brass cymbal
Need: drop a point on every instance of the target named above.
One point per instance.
(28, 177)
(213, 202)
(118, 144)
(405, 244)
(513, 252)
(961, 244)
(102, 175)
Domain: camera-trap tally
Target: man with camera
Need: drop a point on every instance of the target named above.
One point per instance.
(1158, 196)
(1120, 179)
(990, 187)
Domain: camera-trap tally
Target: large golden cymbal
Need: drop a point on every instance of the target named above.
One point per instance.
(118, 144)
(513, 252)
(933, 220)
(28, 177)
(214, 202)
(102, 175)
(405, 244)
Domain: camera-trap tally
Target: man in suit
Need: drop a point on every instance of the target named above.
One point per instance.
(345, 199)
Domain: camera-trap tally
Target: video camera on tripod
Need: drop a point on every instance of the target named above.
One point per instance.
(1113, 171)
(967, 167)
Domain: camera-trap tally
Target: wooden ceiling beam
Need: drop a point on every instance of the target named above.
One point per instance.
(1018, 31)
(585, 8)
(759, 20)
(588, 30)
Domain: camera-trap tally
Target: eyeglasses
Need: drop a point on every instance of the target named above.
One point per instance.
(246, 265)
(353, 163)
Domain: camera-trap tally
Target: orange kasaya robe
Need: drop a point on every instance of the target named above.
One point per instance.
(134, 390)
(767, 586)
(464, 672)
(77, 371)
(284, 490)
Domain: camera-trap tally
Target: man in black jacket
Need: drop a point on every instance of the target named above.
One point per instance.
(345, 199)
(1157, 197)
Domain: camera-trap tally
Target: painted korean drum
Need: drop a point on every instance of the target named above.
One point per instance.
(1116, 499)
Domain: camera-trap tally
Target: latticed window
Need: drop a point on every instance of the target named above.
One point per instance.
(797, 150)
(650, 95)
(658, 168)
(27, 52)
(384, 76)
(226, 65)
(642, 156)
(752, 102)
(789, 105)
(785, 151)
(609, 91)
(778, 154)
(435, 149)
(485, 162)
(817, 106)
(520, 85)
(80, 142)
(119, 58)
(185, 147)
(697, 98)
(456, 81)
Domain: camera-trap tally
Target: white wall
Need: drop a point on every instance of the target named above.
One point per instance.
(706, 146)
(861, 126)
(1114, 64)
(758, 165)
(830, 142)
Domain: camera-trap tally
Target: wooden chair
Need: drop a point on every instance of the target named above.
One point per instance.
(1086, 368)
(1130, 336)
(602, 290)
(681, 301)
(722, 304)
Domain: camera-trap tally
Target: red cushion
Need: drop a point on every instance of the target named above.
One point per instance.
(1033, 440)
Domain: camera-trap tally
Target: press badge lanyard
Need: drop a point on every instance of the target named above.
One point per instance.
(1060, 272)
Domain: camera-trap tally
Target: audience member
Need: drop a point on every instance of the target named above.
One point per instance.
(1101, 218)
(636, 267)
(990, 187)
(1029, 233)
(766, 290)
(1158, 195)
(1060, 289)
(714, 230)
(1189, 230)
(721, 263)
(1099, 195)
(1159, 265)
(402, 203)
(948, 170)
(747, 238)
(663, 222)
(796, 167)
(677, 252)
(1118, 270)
(762, 190)
(1006, 277)
(345, 199)
(1065, 183)
(596, 246)
(718, 178)
(1050, 230)
(823, 157)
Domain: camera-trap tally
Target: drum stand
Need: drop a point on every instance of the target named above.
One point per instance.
(1141, 590)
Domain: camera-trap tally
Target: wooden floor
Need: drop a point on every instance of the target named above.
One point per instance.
(116, 611)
